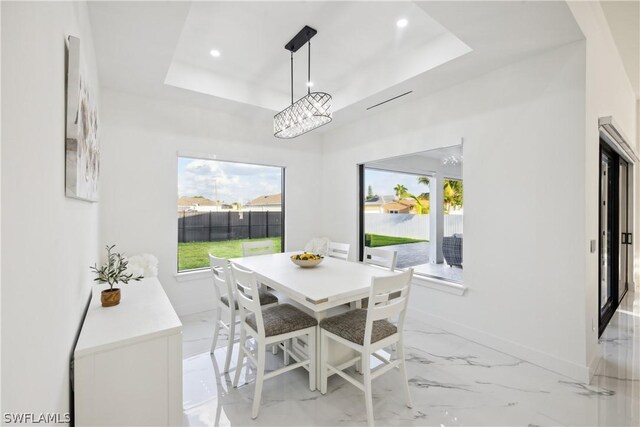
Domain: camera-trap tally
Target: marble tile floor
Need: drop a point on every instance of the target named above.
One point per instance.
(454, 382)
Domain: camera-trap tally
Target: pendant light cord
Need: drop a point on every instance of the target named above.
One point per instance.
(309, 70)
(291, 78)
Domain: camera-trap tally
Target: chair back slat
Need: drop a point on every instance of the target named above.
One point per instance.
(257, 248)
(338, 250)
(387, 311)
(380, 257)
(381, 306)
(222, 279)
(247, 295)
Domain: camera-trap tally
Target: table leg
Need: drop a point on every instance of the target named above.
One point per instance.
(319, 315)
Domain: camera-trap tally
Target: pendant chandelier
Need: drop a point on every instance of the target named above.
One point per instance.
(312, 110)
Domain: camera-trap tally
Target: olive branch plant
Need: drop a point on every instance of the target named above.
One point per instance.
(113, 271)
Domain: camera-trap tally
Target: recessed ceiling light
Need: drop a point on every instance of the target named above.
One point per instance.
(215, 53)
(402, 23)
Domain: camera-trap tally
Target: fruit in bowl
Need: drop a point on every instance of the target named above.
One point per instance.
(306, 260)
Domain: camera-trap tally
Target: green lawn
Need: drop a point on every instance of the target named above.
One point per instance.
(195, 254)
(376, 240)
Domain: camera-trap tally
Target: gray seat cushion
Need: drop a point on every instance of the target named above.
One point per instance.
(350, 326)
(282, 319)
(266, 298)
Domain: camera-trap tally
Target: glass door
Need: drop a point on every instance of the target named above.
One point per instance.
(624, 250)
(608, 274)
(615, 269)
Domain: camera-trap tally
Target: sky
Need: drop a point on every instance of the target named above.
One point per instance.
(383, 182)
(235, 182)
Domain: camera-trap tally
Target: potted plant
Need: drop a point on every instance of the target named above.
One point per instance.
(113, 272)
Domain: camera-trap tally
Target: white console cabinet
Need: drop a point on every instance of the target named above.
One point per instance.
(128, 360)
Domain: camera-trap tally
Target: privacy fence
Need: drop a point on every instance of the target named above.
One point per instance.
(218, 226)
(408, 225)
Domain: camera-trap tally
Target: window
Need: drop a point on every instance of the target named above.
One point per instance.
(222, 204)
(397, 211)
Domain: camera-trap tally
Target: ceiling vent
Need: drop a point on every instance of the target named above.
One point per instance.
(389, 100)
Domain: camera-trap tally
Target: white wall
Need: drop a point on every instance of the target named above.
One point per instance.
(608, 93)
(523, 130)
(48, 240)
(141, 138)
(0, 206)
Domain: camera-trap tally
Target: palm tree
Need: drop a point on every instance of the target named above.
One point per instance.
(452, 193)
(400, 190)
(423, 180)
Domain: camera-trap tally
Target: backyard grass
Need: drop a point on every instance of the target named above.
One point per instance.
(376, 240)
(193, 255)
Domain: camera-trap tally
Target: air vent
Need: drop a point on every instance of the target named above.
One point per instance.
(389, 100)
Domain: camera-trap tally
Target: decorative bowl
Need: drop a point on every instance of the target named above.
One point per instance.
(306, 260)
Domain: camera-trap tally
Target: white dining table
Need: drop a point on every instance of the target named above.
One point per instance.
(332, 283)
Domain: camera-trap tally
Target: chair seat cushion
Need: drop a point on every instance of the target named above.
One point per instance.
(350, 326)
(266, 298)
(282, 319)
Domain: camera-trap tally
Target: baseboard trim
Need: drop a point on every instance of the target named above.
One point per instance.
(193, 308)
(531, 355)
(593, 365)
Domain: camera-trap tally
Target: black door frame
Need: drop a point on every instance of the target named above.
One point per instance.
(613, 214)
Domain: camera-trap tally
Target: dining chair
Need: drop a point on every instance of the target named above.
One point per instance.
(227, 315)
(267, 327)
(260, 247)
(338, 250)
(367, 332)
(380, 257)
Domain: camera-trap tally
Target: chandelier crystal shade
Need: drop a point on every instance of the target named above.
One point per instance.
(309, 112)
(306, 114)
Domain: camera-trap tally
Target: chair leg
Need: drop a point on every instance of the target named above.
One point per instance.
(324, 354)
(312, 359)
(274, 349)
(286, 351)
(232, 336)
(243, 337)
(216, 331)
(368, 394)
(403, 372)
(259, 380)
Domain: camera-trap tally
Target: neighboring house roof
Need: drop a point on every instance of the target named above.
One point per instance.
(200, 201)
(269, 200)
(402, 206)
(378, 200)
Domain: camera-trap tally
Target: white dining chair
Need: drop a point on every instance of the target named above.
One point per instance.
(261, 247)
(381, 257)
(338, 250)
(367, 332)
(268, 327)
(227, 314)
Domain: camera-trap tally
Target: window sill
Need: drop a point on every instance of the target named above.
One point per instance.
(200, 274)
(440, 285)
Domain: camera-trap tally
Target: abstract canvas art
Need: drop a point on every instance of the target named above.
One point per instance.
(82, 148)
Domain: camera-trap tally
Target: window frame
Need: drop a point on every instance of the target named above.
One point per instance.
(434, 282)
(196, 273)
